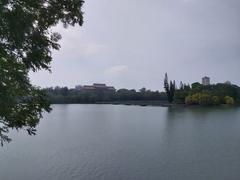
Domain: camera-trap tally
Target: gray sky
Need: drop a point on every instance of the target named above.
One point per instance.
(132, 43)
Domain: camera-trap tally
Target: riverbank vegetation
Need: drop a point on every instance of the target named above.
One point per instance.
(198, 94)
(195, 94)
(64, 95)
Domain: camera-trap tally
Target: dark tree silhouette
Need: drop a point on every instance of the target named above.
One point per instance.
(26, 42)
(170, 89)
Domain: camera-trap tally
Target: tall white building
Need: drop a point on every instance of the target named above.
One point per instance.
(206, 81)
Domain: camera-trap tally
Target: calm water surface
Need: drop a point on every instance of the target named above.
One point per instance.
(106, 142)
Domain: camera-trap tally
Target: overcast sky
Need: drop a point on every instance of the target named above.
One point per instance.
(132, 43)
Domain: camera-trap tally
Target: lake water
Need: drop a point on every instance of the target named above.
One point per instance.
(107, 142)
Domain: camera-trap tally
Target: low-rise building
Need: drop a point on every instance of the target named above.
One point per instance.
(228, 82)
(87, 87)
(95, 86)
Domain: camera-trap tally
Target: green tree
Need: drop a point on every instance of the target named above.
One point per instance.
(142, 90)
(215, 100)
(204, 99)
(26, 42)
(166, 85)
(196, 86)
(189, 100)
(169, 88)
(180, 96)
(229, 100)
(181, 86)
(172, 91)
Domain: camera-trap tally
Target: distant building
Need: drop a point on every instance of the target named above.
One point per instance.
(95, 86)
(86, 87)
(228, 82)
(206, 81)
(111, 88)
(100, 86)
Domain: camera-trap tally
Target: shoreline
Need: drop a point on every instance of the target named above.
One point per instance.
(150, 103)
(130, 103)
(139, 103)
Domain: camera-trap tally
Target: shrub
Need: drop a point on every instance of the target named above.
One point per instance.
(229, 100)
(204, 99)
(188, 100)
(215, 100)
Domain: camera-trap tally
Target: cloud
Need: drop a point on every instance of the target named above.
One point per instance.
(84, 48)
(75, 41)
(89, 49)
(188, 1)
(116, 70)
(186, 38)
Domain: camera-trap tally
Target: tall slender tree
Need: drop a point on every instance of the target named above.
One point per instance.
(166, 86)
(181, 85)
(169, 88)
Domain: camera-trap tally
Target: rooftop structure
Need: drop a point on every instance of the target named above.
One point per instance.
(86, 87)
(101, 85)
(95, 86)
(228, 82)
(206, 81)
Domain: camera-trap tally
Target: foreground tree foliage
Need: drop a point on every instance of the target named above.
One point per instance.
(26, 42)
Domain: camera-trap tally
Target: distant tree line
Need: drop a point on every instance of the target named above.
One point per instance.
(195, 94)
(64, 95)
(198, 94)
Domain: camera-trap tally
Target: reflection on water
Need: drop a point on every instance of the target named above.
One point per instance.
(127, 142)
